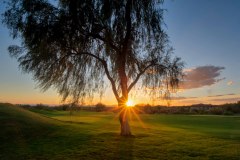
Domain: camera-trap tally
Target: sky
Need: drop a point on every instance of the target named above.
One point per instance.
(204, 33)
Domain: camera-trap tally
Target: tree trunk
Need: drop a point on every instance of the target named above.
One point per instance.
(123, 118)
(122, 57)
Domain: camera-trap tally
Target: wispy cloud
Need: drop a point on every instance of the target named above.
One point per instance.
(213, 96)
(226, 100)
(201, 76)
(214, 99)
(221, 95)
(182, 98)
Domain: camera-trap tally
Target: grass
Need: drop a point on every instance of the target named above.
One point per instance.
(40, 134)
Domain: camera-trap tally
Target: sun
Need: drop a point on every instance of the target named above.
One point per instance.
(130, 103)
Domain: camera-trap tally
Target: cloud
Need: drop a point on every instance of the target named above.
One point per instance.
(201, 76)
(226, 100)
(182, 98)
(213, 96)
(229, 83)
(221, 95)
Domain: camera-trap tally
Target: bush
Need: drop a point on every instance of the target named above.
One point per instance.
(65, 107)
(100, 107)
(42, 107)
(228, 113)
(216, 110)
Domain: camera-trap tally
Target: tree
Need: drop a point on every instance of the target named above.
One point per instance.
(100, 107)
(73, 45)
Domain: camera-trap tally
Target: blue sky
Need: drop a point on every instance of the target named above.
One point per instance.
(204, 33)
(205, 30)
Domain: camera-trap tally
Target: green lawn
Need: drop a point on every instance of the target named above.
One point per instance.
(39, 134)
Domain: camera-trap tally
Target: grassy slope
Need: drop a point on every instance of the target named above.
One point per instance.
(28, 135)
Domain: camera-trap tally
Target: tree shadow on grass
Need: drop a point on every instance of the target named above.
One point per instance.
(118, 146)
(125, 147)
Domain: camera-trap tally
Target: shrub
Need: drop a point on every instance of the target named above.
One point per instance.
(100, 107)
(216, 110)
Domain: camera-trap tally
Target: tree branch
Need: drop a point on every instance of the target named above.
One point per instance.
(111, 80)
(129, 25)
(139, 75)
(97, 36)
(104, 63)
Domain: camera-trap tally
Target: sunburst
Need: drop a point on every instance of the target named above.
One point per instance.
(130, 103)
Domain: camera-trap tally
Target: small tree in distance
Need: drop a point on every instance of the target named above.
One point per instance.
(72, 45)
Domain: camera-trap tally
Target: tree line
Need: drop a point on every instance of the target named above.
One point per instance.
(199, 109)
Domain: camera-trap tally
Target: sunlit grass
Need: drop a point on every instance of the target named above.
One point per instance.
(94, 135)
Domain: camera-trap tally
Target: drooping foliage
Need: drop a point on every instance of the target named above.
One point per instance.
(75, 45)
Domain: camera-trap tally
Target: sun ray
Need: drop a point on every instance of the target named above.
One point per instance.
(139, 119)
(132, 111)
